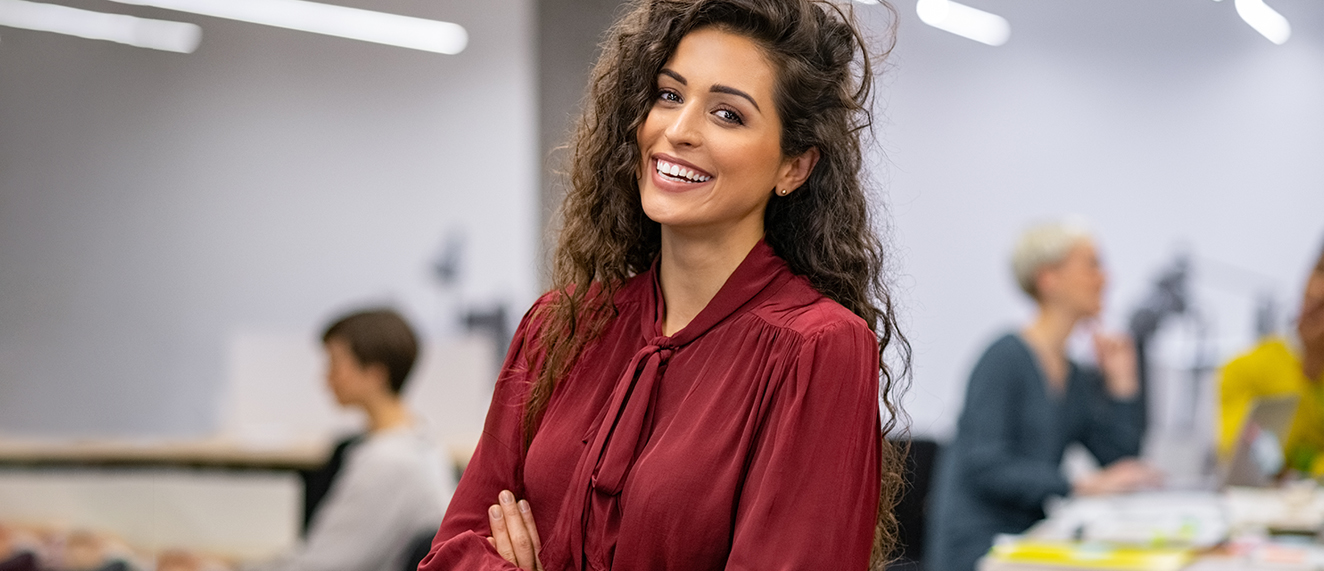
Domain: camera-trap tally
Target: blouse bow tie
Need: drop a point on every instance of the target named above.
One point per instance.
(622, 433)
(619, 440)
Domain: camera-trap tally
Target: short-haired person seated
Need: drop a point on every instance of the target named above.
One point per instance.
(392, 483)
(1027, 401)
(1278, 366)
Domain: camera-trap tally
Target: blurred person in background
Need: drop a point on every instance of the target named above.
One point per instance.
(390, 483)
(701, 388)
(1279, 366)
(1026, 401)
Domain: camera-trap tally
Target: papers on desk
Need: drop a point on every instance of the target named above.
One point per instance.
(1260, 554)
(1169, 519)
(1296, 507)
(1087, 555)
(1241, 529)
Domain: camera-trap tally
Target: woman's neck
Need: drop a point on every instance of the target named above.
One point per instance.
(694, 268)
(1047, 335)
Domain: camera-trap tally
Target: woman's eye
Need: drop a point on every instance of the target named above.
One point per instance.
(669, 95)
(729, 116)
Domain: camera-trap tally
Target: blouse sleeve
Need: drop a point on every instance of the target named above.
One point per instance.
(1115, 427)
(497, 464)
(991, 463)
(810, 496)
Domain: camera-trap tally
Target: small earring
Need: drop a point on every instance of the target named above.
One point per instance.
(782, 191)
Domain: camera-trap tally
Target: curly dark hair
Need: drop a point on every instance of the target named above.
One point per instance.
(823, 231)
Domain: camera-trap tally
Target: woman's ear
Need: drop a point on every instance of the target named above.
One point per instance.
(796, 170)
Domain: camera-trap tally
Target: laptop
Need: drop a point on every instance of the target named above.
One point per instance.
(1257, 457)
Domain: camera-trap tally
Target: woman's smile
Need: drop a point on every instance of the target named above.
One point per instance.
(675, 175)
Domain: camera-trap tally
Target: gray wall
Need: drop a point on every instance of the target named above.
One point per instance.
(155, 206)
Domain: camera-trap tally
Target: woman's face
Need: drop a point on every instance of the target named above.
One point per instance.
(711, 143)
(1076, 283)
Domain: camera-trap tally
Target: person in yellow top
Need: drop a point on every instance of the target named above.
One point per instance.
(1283, 366)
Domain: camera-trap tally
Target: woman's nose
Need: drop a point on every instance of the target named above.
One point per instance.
(683, 131)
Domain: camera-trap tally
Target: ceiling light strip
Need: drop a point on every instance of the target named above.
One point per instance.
(964, 21)
(318, 18)
(178, 37)
(1268, 22)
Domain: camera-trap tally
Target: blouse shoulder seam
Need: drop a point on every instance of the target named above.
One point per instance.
(812, 335)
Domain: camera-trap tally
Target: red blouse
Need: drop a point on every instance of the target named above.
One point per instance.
(747, 440)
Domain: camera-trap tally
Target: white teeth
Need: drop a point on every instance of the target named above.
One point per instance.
(675, 170)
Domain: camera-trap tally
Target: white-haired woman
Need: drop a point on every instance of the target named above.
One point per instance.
(1027, 401)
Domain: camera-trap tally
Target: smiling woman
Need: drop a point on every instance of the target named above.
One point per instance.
(709, 151)
(701, 388)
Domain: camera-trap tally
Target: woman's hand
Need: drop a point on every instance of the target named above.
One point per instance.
(514, 534)
(1117, 360)
(1128, 475)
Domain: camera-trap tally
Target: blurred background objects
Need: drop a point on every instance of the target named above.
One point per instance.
(177, 223)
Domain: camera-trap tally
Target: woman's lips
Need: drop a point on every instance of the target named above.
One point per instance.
(675, 175)
(680, 170)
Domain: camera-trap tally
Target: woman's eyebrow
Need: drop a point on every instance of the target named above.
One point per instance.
(716, 88)
(719, 88)
(673, 75)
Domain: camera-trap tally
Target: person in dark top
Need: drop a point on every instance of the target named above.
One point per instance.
(1027, 401)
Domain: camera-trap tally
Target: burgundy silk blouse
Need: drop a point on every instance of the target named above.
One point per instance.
(747, 440)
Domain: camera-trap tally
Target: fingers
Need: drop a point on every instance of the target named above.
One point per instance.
(1105, 348)
(527, 512)
(1122, 476)
(514, 533)
(1117, 361)
(519, 531)
(500, 535)
(1130, 475)
(1109, 345)
(1100, 342)
(1150, 477)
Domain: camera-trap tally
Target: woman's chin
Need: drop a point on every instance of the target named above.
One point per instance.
(666, 210)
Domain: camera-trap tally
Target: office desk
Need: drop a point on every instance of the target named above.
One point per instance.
(1238, 529)
(198, 453)
(210, 496)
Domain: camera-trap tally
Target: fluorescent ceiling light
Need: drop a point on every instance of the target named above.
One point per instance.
(1265, 20)
(141, 32)
(964, 21)
(318, 18)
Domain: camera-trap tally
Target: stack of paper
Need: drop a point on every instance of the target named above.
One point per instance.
(1088, 555)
